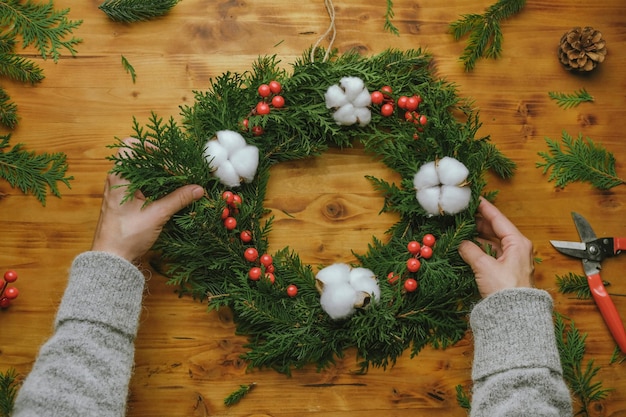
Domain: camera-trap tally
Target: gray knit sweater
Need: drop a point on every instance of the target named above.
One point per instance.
(85, 367)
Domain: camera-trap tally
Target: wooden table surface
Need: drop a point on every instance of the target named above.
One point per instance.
(187, 360)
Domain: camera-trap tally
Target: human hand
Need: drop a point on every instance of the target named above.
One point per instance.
(513, 264)
(129, 230)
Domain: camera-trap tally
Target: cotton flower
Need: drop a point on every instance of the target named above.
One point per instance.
(344, 289)
(442, 186)
(231, 159)
(351, 100)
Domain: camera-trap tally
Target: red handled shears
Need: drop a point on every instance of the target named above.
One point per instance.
(592, 250)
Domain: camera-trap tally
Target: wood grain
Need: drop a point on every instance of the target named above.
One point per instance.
(187, 360)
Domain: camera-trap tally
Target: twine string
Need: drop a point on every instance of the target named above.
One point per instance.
(330, 8)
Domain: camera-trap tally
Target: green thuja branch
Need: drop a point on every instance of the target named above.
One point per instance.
(136, 10)
(483, 31)
(31, 173)
(8, 110)
(567, 101)
(463, 398)
(579, 160)
(579, 377)
(389, 14)
(129, 68)
(239, 394)
(574, 284)
(8, 391)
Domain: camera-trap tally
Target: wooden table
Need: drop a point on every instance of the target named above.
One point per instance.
(187, 360)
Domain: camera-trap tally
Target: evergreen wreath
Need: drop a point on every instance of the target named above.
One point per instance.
(217, 250)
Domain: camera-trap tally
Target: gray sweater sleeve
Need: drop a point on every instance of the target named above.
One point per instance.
(85, 367)
(517, 369)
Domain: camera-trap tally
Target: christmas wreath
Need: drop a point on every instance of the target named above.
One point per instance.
(410, 289)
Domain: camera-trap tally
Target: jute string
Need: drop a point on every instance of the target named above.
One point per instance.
(330, 8)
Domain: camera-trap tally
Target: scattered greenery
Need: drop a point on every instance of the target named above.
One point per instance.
(579, 377)
(579, 160)
(8, 391)
(239, 394)
(574, 284)
(389, 15)
(567, 101)
(31, 173)
(463, 398)
(284, 332)
(618, 357)
(129, 68)
(483, 31)
(136, 10)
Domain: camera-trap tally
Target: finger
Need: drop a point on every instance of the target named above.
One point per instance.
(176, 201)
(498, 222)
(472, 254)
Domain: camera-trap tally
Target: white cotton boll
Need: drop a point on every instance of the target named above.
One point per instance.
(364, 99)
(230, 140)
(426, 177)
(429, 199)
(454, 199)
(228, 175)
(364, 280)
(363, 115)
(215, 154)
(352, 86)
(334, 274)
(345, 115)
(451, 171)
(338, 300)
(245, 161)
(335, 97)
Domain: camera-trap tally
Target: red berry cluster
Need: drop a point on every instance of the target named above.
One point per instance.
(410, 105)
(270, 97)
(264, 265)
(233, 202)
(8, 293)
(418, 251)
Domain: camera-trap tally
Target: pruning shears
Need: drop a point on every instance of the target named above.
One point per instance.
(592, 251)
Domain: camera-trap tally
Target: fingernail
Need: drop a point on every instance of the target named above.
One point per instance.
(197, 192)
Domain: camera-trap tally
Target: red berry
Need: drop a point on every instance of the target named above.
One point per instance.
(423, 120)
(292, 290)
(278, 101)
(266, 259)
(386, 110)
(402, 102)
(262, 108)
(230, 223)
(386, 90)
(255, 273)
(408, 116)
(251, 254)
(4, 302)
(270, 277)
(413, 264)
(244, 124)
(270, 268)
(257, 130)
(410, 285)
(412, 103)
(429, 240)
(11, 293)
(264, 90)
(413, 247)
(225, 213)
(426, 252)
(392, 278)
(377, 97)
(246, 236)
(10, 276)
(228, 197)
(275, 87)
(237, 200)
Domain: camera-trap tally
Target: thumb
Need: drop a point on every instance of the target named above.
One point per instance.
(178, 200)
(471, 253)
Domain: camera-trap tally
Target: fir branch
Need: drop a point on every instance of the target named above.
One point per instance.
(129, 68)
(8, 110)
(579, 160)
(618, 357)
(39, 24)
(31, 173)
(574, 284)
(463, 398)
(389, 15)
(8, 392)
(579, 377)
(239, 394)
(136, 10)
(483, 31)
(567, 101)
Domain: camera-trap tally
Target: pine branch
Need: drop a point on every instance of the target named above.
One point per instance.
(574, 284)
(239, 394)
(8, 392)
(136, 10)
(129, 68)
(39, 24)
(580, 378)
(579, 160)
(8, 110)
(567, 101)
(389, 15)
(31, 173)
(483, 31)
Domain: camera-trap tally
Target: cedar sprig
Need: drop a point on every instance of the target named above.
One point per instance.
(579, 377)
(129, 11)
(567, 101)
(8, 391)
(238, 394)
(36, 174)
(574, 284)
(578, 159)
(8, 110)
(389, 15)
(483, 31)
(129, 68)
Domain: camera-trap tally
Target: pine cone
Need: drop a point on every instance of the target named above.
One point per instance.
(582, 49)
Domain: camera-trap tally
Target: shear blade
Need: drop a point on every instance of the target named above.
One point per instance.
(585, 231)
(575, 249)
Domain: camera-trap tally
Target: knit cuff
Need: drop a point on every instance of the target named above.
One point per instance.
(103, 288)
(514, 329)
